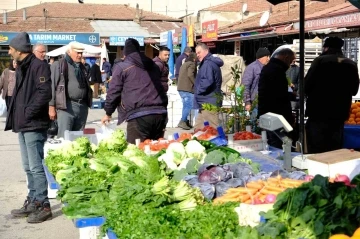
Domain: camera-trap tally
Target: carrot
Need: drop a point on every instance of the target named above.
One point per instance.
(266, 191)
(245, 190)
(274, 180)
(276, 189)
(249, 201)
(254, 185)
(243, 198)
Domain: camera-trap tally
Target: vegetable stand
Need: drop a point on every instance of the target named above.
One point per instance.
(171, 195)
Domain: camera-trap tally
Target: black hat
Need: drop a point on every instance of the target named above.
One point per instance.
(333, 42)
(21, 42)
(131, 45)
(262, 52)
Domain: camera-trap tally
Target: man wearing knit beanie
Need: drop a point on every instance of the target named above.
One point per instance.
(251, 76)
(30, 119)
(137, 93)
(331, 73)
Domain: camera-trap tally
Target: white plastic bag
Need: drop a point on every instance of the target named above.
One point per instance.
(3, 110)
(108, 129)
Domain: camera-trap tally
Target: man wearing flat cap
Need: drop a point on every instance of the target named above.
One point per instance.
(28, 116)
(330, 83)
(251, 76)
(136, 91)
(71, 92)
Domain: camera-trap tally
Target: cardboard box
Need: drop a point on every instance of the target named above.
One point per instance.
(342, 161)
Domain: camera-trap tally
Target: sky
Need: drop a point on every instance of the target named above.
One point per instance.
(175, 8)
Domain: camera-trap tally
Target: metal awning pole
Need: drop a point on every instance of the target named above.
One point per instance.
(302, 68)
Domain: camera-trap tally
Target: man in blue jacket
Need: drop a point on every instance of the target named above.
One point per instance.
(137, 92)
(252, 74)
(207, 86)
(28, 116)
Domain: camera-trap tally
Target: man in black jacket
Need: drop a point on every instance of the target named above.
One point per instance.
(28, 116)
(330, 83)
(273, 90)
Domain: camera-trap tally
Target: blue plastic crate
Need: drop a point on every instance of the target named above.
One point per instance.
(111, 234)
(51, 180)
(98, 104)
(89, 222)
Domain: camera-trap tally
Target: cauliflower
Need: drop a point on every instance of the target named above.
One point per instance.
(195, 150)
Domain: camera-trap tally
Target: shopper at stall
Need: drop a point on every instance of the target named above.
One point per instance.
(96, 80)
(293, 75)
(251, 76)
(28, 116)
(162, 62)
(185, 88)
(207, 86)
(137, 93)
(87, 67)
(180, 60)
(273, 91)
(7, 82)
(71, 92)
(330, 83)
(106, 67)
(40, 51)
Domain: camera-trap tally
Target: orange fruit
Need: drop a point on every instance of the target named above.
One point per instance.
(351, 119)
(352, 115)
(355, 237)
(339, 236)
(357, 232)
(357, 119)
(357, 103)
(354, 111)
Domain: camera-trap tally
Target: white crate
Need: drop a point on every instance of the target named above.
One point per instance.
(343, 161)
(245, 145)
(89, 232)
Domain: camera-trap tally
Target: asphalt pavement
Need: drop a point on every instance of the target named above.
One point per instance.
(13, 191)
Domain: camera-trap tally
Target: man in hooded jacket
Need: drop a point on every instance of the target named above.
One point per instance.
(136, 91)
(207, 86)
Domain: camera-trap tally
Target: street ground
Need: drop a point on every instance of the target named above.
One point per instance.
(13, 191)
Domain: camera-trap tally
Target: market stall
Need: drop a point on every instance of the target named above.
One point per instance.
(129, 191)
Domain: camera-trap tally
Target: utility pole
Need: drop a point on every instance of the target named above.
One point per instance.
(166, 10)
(186, 13)
(151, 5)
(16, 5)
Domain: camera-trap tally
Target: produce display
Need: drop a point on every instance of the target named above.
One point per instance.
(354, 117)
(193, 189)
(245, 135)
(259, 192)
(207, 132)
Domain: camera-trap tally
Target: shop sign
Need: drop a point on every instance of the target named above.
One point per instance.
(210, 44)
(191, 35)
(120, 41)
(209, 31)
(53, 38)
(164, 38)
(351, 19)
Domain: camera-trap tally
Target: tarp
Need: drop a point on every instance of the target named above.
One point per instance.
(62, 50)
(104, 54)
(230, 61)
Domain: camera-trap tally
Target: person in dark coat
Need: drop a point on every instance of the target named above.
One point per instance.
(162, 62)
(180, 60)
(87, 67)
(273, 90)
(106, 67)
(96, 80)
(251, 76)
(185, 88)
(136, 91)
(207, 86)
(334, 75)
(28, 116)
(293, 74)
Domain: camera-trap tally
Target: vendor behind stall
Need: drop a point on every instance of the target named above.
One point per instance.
(330, 83)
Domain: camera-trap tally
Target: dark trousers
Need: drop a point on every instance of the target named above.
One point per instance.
(146, 127)
(324, 136)
(7, 101)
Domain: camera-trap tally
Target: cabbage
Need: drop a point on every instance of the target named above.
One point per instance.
(239, 170)
(207, 189)
(221, 188)
(214, 174)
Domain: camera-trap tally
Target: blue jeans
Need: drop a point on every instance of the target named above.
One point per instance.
(32, 154)
(187, 100)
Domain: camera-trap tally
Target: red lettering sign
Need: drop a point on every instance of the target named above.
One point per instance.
(352, 19)
(209, 31)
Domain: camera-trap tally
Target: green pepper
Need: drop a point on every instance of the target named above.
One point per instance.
(114, 169)
(185, 142)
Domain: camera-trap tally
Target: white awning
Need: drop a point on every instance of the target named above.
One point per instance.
(118, 28)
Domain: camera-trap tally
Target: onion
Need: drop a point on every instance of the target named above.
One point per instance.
(342, 178)
(270, 198)
(257, 201)
(308, 178)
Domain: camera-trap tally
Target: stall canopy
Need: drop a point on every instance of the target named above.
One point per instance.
(88, 50)
(302, 60)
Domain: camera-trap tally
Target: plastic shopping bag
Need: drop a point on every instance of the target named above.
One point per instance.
(3, 110)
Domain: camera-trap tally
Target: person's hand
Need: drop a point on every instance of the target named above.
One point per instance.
(52, 112)
(247, 107)
(106, 119)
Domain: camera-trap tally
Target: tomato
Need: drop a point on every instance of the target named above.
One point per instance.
(142, 146)
(161, 139)
(147, 141)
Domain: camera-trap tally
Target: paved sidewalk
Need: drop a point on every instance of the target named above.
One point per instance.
(13, 191)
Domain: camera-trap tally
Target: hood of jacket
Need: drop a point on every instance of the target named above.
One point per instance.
(216, 60)
(140, 60)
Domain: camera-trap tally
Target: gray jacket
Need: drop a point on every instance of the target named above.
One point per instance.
(251, 81)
